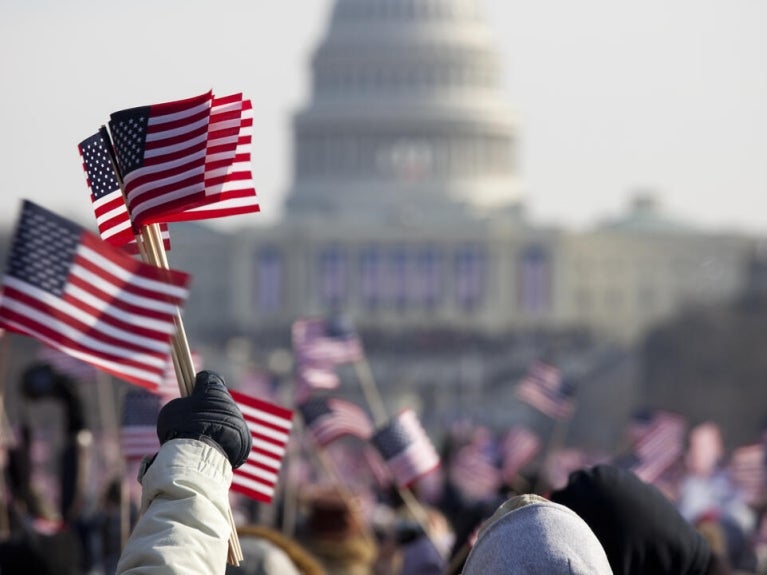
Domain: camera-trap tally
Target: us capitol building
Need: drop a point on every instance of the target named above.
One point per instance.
(405, 211)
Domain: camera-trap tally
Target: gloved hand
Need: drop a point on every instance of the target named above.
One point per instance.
(209, 414)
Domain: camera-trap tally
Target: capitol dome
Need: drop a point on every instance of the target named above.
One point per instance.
(407, 119)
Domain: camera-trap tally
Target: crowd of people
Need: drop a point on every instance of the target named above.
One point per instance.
(472, 515)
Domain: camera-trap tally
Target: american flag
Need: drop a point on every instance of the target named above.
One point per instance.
(161, 151)
(270, 426)
(138, 432)
(518, 447)
(560, 463)
(112, 218)
(659, 446)
(330, 418)
(748, 470)
(544, 389)
(316, 344)
(318, 351)
(405, 448)
(68, 289)
(108, 203)
(474, 472)
(229, 187)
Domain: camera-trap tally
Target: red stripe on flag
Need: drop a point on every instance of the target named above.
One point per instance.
(41, 299)
(269, 426)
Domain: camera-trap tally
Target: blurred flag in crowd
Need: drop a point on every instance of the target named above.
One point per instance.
(405, 448)
(473, 468)
(518, 447)
(259, 383)
(659, 443)
(748, 471)
(544, 389)
(319, 347)
(138, 432)
(560, 463)
(269, 426)
(327, 343)
(310, 377)
(70, 290)
(327, 419)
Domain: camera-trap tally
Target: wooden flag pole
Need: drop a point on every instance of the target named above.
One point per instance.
(377, 407)
(151, 237)
(370, 389)
(152, 251)
(341, 488)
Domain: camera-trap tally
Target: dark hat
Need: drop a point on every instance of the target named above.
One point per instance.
(639, 528)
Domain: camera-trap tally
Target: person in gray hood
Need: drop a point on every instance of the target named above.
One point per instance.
(530, 535)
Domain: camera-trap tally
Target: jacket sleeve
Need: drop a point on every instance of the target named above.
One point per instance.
(184, 526)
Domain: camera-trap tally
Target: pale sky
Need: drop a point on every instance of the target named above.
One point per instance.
(611, 95)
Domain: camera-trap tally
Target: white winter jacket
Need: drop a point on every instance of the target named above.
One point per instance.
(184, 525)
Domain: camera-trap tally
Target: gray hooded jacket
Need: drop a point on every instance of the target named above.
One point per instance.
(529, 535)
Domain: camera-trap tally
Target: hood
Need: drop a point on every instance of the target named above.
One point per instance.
(529, 535)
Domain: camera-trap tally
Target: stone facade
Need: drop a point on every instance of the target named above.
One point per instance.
(404, 210)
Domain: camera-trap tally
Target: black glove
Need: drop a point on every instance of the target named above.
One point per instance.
(209, 414)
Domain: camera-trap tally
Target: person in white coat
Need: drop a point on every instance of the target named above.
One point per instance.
(184, 524)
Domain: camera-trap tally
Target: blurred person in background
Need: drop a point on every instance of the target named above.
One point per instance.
(269, 552)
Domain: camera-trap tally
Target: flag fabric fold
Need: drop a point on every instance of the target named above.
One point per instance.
(405, 448)
(72, 291)
(328, 419)
(270, 427)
